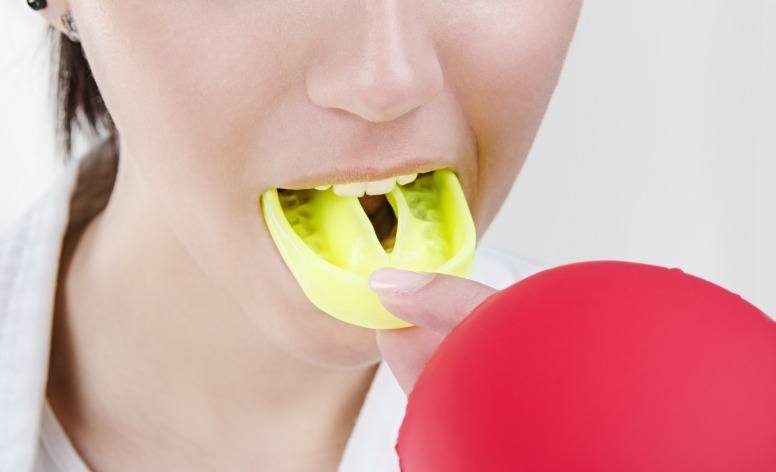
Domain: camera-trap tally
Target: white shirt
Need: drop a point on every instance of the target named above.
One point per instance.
(31, 438)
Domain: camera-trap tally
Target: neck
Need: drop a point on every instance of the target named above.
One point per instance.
(146, 346)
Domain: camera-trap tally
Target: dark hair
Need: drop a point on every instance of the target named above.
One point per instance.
(79, 103)
(78, 97)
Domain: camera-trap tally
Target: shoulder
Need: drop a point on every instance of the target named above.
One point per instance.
(500, 269)
(49, 204)
(79, 192)
(33, 237)
(29, 258)
(83, 185)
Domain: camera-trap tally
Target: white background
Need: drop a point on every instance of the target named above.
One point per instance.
(659, 145)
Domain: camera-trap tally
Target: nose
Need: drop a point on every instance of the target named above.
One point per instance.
(379, 65)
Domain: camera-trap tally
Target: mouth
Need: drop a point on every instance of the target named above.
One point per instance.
(332, 236)
(373, 200)
(382, 217)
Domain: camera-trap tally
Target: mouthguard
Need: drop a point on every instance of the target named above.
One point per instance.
(330, 246)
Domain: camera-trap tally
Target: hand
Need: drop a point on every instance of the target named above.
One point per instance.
(434, 303)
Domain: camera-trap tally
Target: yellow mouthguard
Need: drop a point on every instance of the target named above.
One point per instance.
(331, 248)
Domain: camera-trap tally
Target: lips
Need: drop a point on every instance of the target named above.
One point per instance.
(332, 243)
(344, 173)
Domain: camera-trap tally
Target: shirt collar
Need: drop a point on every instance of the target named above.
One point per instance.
(29, 263)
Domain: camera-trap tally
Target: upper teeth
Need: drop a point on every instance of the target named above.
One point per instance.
(375, 187)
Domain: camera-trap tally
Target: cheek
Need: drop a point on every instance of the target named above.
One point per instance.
(209, 86)
(505, 58)
(510, 50)
(191, 151)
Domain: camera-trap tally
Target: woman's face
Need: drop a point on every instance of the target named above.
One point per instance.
(217, 101)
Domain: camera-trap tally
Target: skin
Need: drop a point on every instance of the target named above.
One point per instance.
(182, 341)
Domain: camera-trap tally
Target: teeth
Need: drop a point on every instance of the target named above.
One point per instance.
(355, 189)
(380, 187)
(376, 187)
(405, 179)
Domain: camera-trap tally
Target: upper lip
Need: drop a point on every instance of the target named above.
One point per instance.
(351, 173)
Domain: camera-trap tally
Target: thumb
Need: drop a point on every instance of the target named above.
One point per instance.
(431, 300)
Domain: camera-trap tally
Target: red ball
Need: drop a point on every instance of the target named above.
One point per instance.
(599, 366)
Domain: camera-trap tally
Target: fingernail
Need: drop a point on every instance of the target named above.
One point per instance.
(390, 280)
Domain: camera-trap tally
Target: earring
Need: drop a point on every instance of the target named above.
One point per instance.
(69, 24)
(37, 4)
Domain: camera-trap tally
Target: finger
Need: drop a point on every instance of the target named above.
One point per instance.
(407, 351)
(431, 300)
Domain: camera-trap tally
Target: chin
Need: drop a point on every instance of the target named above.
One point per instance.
(317, 338)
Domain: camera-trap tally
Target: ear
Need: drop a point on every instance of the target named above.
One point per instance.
(53, 13)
